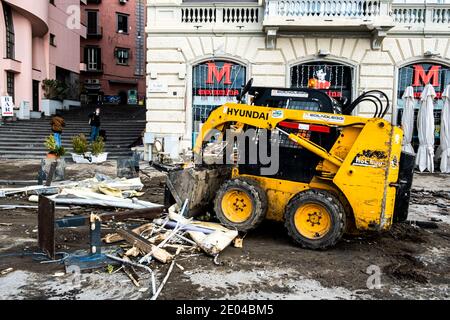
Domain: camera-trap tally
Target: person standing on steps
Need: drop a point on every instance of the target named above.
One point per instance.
(57, 124)
(94, 121)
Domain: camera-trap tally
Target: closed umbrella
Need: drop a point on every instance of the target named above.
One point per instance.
(425, 128)
(408, 119)
(445, 132)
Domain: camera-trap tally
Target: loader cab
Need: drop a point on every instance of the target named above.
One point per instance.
(296, 164)
(296, 99)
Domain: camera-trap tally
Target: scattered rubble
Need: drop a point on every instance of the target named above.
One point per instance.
(170, 256)
(98, 191)
(166, 239)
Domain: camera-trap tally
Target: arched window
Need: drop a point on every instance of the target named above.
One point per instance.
(418, 75)
(214, 83)
(333, 78)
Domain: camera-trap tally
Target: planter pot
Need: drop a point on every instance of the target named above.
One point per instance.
(70, 103)
(88, 158)
(24, 112)
(49, 107)
(52, 156)
(35, 114)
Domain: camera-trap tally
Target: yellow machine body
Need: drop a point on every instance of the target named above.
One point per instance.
(361, 169)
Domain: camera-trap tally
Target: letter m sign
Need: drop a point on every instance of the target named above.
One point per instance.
(219, 75)
(421, 78)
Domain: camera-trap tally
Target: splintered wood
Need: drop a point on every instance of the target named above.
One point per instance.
(166, 240)
(114, 237)
(145, 246)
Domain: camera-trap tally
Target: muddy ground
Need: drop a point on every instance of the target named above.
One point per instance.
(414, 262)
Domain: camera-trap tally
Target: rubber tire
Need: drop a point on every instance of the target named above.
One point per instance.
(334, 208)
(259, 203)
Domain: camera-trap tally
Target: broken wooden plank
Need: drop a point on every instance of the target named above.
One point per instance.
(134, 252)
(6, 271)
(135, 240)
(114, 237)
(215, 242)
(46, 226)
(238, 242)
(145, 246)
(131, 273)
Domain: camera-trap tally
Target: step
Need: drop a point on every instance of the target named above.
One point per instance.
(112, 121)
(42, 156)
(72, 132)
(66, 146)
(65, 140)
(40, 152)
(81, 125)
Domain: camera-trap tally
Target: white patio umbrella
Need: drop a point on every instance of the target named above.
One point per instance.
(408, 119)
(445, 132)
(425, 128)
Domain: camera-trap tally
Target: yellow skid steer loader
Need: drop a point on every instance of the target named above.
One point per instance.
(336, 173)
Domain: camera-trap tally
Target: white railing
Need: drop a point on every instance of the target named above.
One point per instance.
(325, 8)
(206, 16)
(225, 15)
(421, 17)
(198, 15)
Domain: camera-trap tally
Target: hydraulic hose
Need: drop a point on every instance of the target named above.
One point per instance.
(372, 96)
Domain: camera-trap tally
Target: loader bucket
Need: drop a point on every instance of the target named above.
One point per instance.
(198, 185)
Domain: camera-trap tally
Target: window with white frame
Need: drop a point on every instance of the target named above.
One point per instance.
(93, 58)
(122, 56)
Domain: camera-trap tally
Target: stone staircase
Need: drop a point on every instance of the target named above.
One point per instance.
(25, 139)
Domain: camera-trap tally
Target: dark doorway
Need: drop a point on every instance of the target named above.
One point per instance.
(35, 95)
(123, 97)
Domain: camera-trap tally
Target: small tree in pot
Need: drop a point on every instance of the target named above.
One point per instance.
(54, 151)
(82, 155)
(98, 151)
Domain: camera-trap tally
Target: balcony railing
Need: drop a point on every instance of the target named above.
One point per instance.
(374, 16)
(224, 15)
(320, 8)
(433, 18)
(94, 32)
(205, 16)
(99, 68)
(323, 14)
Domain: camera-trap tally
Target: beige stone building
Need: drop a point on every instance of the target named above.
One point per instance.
(201, 53)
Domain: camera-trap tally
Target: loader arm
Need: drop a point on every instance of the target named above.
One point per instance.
(270, 118)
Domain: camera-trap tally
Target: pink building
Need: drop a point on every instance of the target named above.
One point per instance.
(39, 39)
(113, 55)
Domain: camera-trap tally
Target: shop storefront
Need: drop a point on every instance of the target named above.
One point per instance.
(418, 75)
(199, 56)
(214, 83)
(335, 79)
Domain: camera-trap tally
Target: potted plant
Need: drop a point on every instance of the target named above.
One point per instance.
(54, 93)
(54, 151)
(98, 151)
(80, 149)
(82, 155)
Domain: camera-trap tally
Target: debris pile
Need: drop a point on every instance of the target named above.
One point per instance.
(164, 240)
(98, 191)
(143, 237)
